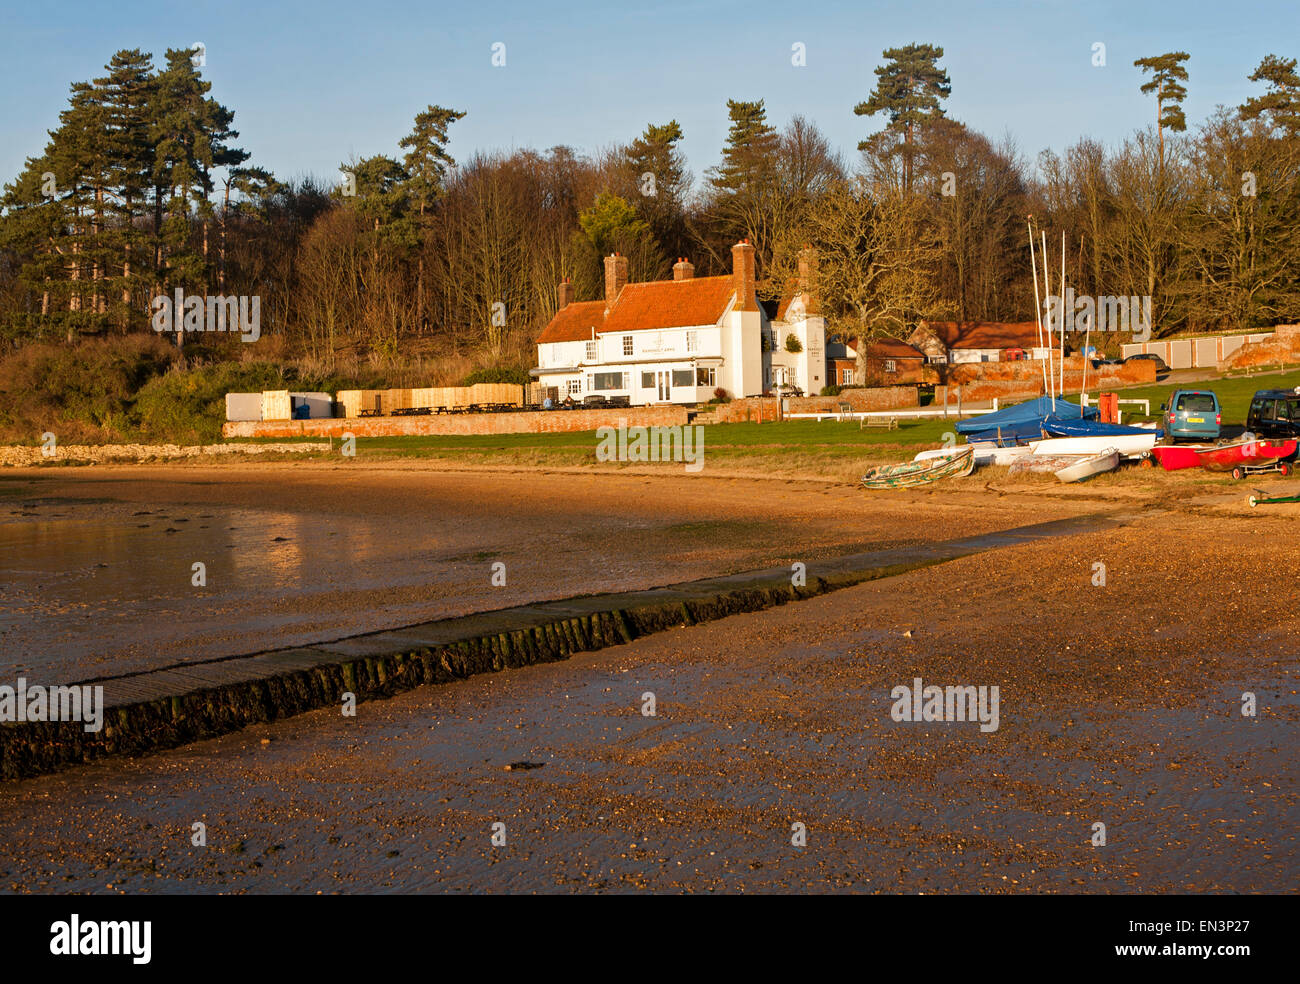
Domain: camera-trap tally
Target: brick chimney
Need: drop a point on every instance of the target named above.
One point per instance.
(615, 278)
(808, 282)
(564, 292)
(742, 276)
(683, 269)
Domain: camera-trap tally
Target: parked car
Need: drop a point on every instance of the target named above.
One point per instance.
(1161, 366)
(1192, 415)
(1274, 413)
(1098, 363)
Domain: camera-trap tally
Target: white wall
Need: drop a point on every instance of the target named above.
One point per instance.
(1192, 353)
(975, 355)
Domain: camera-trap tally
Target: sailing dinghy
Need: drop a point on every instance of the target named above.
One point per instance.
(913, 473)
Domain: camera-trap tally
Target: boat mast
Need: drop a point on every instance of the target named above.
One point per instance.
(1047, 294)
(1061, 389)
(1083, 383)
(1038, 307)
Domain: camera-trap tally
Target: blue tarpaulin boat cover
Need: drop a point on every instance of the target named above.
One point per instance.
(1022, 423)
(1094, 428)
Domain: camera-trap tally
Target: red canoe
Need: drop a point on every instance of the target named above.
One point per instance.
(1221, 457)
(1173, 457)
(1226, 457)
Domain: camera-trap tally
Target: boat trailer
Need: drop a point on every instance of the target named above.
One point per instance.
(1262, 498)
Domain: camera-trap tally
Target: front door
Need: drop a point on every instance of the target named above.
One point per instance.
(665, 380)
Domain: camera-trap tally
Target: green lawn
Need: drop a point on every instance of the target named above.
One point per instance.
(805, 448)
(795, 447)
(809, 434)
(1234, 393)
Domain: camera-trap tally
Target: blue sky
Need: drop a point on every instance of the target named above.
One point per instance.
(312, 84)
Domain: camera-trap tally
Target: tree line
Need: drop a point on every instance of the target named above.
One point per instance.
(141, 189)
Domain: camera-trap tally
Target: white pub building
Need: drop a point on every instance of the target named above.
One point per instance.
(679, 340)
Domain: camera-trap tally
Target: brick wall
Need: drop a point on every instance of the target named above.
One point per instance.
(1024, 379)
(529, 422)
(740, 411)
(867, 398)
(1282, 348)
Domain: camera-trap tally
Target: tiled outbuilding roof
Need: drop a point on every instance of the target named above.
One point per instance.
(893, 348)
(984, 334)
(574, 322)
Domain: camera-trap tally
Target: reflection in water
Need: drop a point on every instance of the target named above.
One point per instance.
(73, 587)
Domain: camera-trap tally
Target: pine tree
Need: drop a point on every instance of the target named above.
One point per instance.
(426, 163)
(191, 132)
(34, 226)
(1282, 101)
(661, 197)
(79, 156)
(742, 186)
(747, 155)
(1167, 76)
(130, 88)
(908, 89)
(256, 189)
(382, 198)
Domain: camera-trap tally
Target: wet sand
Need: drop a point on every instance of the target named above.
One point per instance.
(96, 565)
(1119, 704)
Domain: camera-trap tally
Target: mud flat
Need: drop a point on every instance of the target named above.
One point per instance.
(157, 709)
(96, 564)
(1121, 704)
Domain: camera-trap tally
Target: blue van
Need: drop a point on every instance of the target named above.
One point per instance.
(1192, 415)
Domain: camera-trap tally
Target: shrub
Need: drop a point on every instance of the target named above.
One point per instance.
(80, 392)
(189, 406)
(720, 396)
(792, 343)
(498, 374)
(831, 390)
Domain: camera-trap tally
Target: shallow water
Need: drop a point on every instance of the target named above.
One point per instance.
(72, 589)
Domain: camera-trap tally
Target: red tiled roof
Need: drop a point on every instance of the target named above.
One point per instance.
(649, 306)
(669, 304)
(893, 348)
(984, 334)
(574, 322)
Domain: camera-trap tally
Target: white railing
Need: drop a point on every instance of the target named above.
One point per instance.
(1144, 404)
